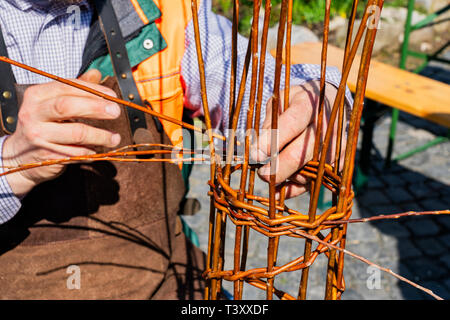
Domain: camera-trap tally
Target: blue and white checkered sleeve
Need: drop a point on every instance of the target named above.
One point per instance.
(215, 36)
(9, 203)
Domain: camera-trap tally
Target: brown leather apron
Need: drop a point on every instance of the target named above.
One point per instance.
(116, 221)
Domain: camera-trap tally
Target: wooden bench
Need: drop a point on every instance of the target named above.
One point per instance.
(389, 86)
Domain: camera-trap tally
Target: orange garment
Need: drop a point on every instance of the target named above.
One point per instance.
(158, 78)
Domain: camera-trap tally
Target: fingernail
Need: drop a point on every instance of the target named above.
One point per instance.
(253, 152)
(115, 139)
(256, 154)
(262, 155)
(113, 110)
(265, 170)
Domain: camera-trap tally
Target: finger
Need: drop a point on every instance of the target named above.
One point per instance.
(52, 151)
(299, 178)
(292, 190)
(93, 76)
(47, 91)
(79, 134)
(299, 152)
(269, 107)
(292, 158)
(69, 107)
(268, 118)
(291, 123)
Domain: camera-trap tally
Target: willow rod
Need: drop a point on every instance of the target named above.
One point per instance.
(340, 267)
(276, 102)
(317, 142)
(108, 97)
(238, 285)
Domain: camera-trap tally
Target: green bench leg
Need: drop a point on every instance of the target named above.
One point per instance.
(372, 112)
(321, 203)
(392, 132)
(422, 148)
(405, 52)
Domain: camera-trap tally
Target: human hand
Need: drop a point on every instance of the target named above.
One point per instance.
(46, 129)
(296, 136)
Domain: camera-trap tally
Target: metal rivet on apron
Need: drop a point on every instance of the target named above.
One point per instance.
(7, 94)
(123, 75)
(131, 96)
(148, 44)
(10, 120)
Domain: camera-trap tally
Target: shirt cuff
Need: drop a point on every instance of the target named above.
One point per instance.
(9, 203)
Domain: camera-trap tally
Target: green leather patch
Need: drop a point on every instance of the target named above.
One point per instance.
(146, 44)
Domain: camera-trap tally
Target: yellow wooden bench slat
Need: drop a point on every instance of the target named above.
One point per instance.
(397, 88)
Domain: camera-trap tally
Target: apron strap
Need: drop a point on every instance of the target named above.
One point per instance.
(8, 95)
(121, 65)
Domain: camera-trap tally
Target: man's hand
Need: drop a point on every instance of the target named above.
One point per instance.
(296, 136)
(46, 130)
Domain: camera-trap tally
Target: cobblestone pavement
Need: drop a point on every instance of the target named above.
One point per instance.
(417, 248)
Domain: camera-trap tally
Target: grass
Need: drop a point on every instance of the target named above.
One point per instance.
(304, 12)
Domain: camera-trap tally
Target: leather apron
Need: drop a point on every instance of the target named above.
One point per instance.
(116, 222)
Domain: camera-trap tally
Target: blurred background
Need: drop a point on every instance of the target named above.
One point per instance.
(415, 247)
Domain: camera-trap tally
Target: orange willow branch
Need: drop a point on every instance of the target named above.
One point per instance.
(118, 155)
(113, 156)
(108, 97)
(389, 216)
(105, 157)
(370, 263)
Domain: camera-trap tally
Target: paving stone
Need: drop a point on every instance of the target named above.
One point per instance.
(410, 206)
(430, 246)
(409, 292)
(399, 194)
(370, 250)
(389, 245)
(359, 271)
(446, 198)
(373, 197)
(424, 268)
(361, 211)
(393, 180)
(385, 209)
(421, 190)
(443, 220)
(436, 185)
(445, 240)
(446, 260)
(393, 227)
(436, 173)
(407, 250)
(447, 283)
(433, 204)
(352, 294)
(416, 161)
(395, 169)
(422, 227)
(375, 183)
(413, 177)
(437, 288)
(377, 165)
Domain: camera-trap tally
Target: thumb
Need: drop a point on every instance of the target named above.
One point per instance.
(93, 76)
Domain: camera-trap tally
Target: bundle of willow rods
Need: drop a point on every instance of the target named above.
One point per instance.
(269, 216)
